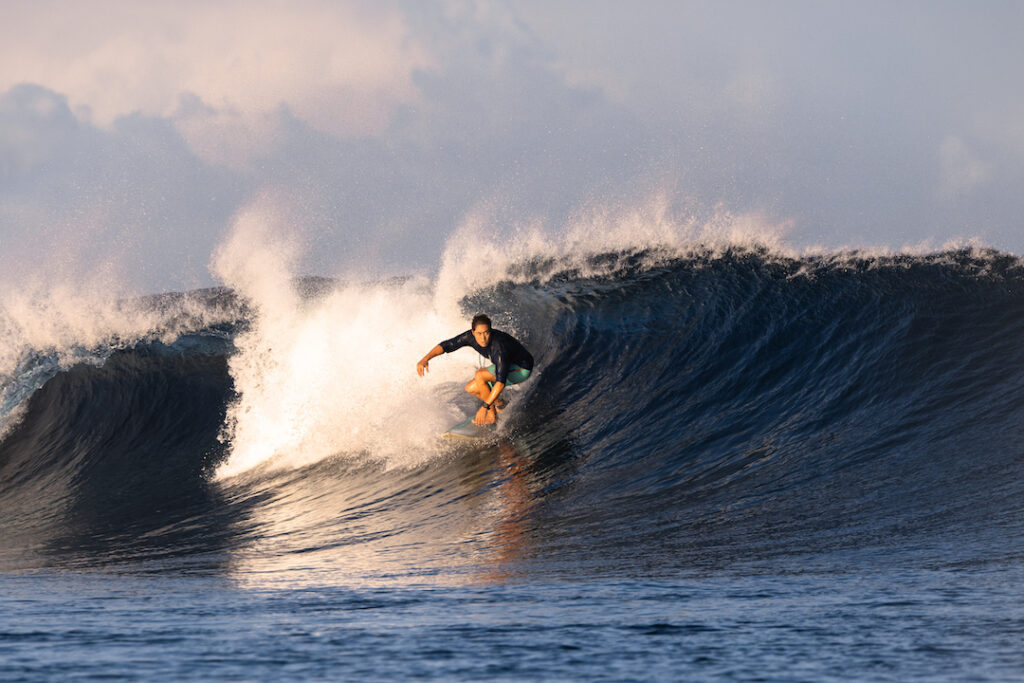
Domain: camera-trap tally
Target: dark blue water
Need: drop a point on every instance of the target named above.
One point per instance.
(732, 466)
(858, 623)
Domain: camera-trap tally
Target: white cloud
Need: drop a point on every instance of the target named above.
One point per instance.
(383, 122)
(340, 67)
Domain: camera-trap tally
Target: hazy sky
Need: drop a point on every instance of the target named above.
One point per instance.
(131, 133)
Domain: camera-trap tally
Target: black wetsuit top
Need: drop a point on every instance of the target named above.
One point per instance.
(503, 351)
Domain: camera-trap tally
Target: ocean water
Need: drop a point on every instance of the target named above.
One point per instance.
(730, 464)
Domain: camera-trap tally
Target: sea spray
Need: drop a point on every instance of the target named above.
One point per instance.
(48, 325)
(481, 253)
(331, 375)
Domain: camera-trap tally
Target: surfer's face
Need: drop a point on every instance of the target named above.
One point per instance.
(482, 334)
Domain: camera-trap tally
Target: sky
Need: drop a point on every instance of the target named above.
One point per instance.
(133, 134)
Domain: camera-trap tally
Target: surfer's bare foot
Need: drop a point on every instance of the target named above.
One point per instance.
(485, 417)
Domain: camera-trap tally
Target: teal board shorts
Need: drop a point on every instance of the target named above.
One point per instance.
(516, 374)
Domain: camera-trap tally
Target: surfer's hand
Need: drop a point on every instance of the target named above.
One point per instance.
(483, 417)
(421, 367)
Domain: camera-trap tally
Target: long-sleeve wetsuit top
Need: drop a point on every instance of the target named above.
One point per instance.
(503, 351)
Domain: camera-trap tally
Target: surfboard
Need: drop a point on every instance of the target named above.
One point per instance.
(467, 430)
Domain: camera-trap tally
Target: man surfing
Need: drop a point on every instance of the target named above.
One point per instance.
(511, 363)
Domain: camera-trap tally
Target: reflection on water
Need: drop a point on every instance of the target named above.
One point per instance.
(465, 519)
(512, 502)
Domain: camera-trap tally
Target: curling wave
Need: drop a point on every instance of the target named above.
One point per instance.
(690, 410)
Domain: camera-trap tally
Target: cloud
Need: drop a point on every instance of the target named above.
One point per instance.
(340, 67)
(73, 195)
(379, 127)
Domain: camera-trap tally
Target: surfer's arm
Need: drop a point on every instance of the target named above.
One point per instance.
(495, 392)
(422, 366)
(481, 414)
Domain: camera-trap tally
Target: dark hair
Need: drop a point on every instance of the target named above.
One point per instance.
(480, 319)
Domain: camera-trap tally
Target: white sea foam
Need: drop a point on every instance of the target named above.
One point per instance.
(480, 253)
(335, 375)
(48, 324)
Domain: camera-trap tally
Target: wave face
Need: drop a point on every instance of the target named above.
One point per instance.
(694, 411)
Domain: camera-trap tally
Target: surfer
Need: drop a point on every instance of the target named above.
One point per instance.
(511, 363)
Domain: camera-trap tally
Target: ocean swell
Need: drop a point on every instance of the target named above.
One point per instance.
(706, 408)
